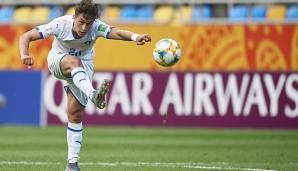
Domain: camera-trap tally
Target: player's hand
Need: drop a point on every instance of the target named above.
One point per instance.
(27, 60)
(142, 39)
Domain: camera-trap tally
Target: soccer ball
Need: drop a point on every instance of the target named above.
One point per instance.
(167, 52)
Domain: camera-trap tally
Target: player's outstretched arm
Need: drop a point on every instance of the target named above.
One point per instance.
(118, 34)
(24, 41)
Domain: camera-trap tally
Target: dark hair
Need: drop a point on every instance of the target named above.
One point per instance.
(88, 9)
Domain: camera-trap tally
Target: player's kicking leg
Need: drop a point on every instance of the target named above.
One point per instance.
(72, 66)
(74, 131)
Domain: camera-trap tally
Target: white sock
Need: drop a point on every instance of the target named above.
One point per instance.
(82, 81)
(74, 141)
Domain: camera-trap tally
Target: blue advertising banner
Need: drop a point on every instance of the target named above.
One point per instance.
(20, 97)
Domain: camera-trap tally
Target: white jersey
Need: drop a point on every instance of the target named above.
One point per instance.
(65, 43)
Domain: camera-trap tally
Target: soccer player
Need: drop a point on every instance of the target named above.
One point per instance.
(71, 59)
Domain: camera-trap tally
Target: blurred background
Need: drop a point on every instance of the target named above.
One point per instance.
(238, 67)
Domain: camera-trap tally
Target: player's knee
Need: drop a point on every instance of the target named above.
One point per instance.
(75, 118)
(74, 62)
(69, 63)
(75, 115)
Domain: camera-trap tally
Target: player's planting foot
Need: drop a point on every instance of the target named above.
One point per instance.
(99, 96)
(72, 167)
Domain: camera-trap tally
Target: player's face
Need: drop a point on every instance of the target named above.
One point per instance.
(82, 24)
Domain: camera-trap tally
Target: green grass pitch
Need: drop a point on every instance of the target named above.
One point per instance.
(151, 149)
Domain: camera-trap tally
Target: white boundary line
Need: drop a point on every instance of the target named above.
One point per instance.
(214, 166)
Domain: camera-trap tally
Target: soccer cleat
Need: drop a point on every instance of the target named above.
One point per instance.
(99, 96)
(72, 167)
